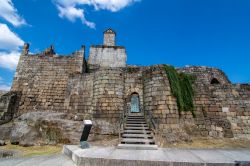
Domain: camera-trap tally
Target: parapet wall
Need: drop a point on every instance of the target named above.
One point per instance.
(204, 75)
(43, 79)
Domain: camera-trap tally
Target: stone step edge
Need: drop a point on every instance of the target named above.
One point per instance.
(139, 140)
(137, 147)
(137, 131)
(138, 135)
(139, 128)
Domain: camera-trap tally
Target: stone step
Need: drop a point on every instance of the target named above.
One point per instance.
(137, 132)
(137, 140)
(135, 119)
(136, 122)
(135, 116)
(137, 135)
(136, 125)
(136, 128)
(131, 122)
(137, 147)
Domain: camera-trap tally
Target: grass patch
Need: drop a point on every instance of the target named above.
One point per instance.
(34, 150)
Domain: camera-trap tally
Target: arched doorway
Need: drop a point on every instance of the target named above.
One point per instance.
(134, 103)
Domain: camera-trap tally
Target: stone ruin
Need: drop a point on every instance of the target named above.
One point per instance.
(51, 95)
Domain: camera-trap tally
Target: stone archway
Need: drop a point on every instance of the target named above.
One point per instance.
(134, 103)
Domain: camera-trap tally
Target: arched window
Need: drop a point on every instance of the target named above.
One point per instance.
(214, 81)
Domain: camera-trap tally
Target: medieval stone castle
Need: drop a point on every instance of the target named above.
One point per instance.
(105, 89)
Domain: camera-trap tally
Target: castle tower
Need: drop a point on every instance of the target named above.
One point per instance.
(109, 37)
(108, 54)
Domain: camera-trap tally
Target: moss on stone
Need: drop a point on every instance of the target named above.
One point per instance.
(181, 88)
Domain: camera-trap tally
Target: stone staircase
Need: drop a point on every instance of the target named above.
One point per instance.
(137, 135)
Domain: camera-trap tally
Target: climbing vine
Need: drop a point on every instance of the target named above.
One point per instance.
(181, 88)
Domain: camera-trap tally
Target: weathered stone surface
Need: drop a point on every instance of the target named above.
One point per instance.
(40, 127)
(9, 103)
(5, 131)
(2, 143)
(175, 135)
(211, 101)
(105, 127)
(22, 132)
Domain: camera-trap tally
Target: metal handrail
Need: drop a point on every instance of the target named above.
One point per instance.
(123, 119)
(153, 124)
(151, 120)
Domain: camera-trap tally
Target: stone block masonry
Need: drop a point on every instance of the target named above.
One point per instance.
(101, 87)
(222, 108)
(79, 95)
(107, 56)
(108, 93)
(43, 80)
(157, 96)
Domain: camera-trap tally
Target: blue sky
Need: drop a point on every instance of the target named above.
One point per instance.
(212, 33)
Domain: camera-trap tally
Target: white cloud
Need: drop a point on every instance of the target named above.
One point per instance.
(71, 13)
(8, 39)
(112, 5)
(9, 60)
(72, 9)
(4, 87)
(10, 13)
(9, 44)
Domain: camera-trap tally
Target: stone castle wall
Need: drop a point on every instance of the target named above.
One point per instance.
(157, 97)
(42, 80)
(60, 84)
(134, 84)
(222, 109)
(101, 90)
(79, 95)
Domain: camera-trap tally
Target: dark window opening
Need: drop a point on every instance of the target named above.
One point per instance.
(215, 81)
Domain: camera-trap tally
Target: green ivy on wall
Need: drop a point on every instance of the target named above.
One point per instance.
(181, 88)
